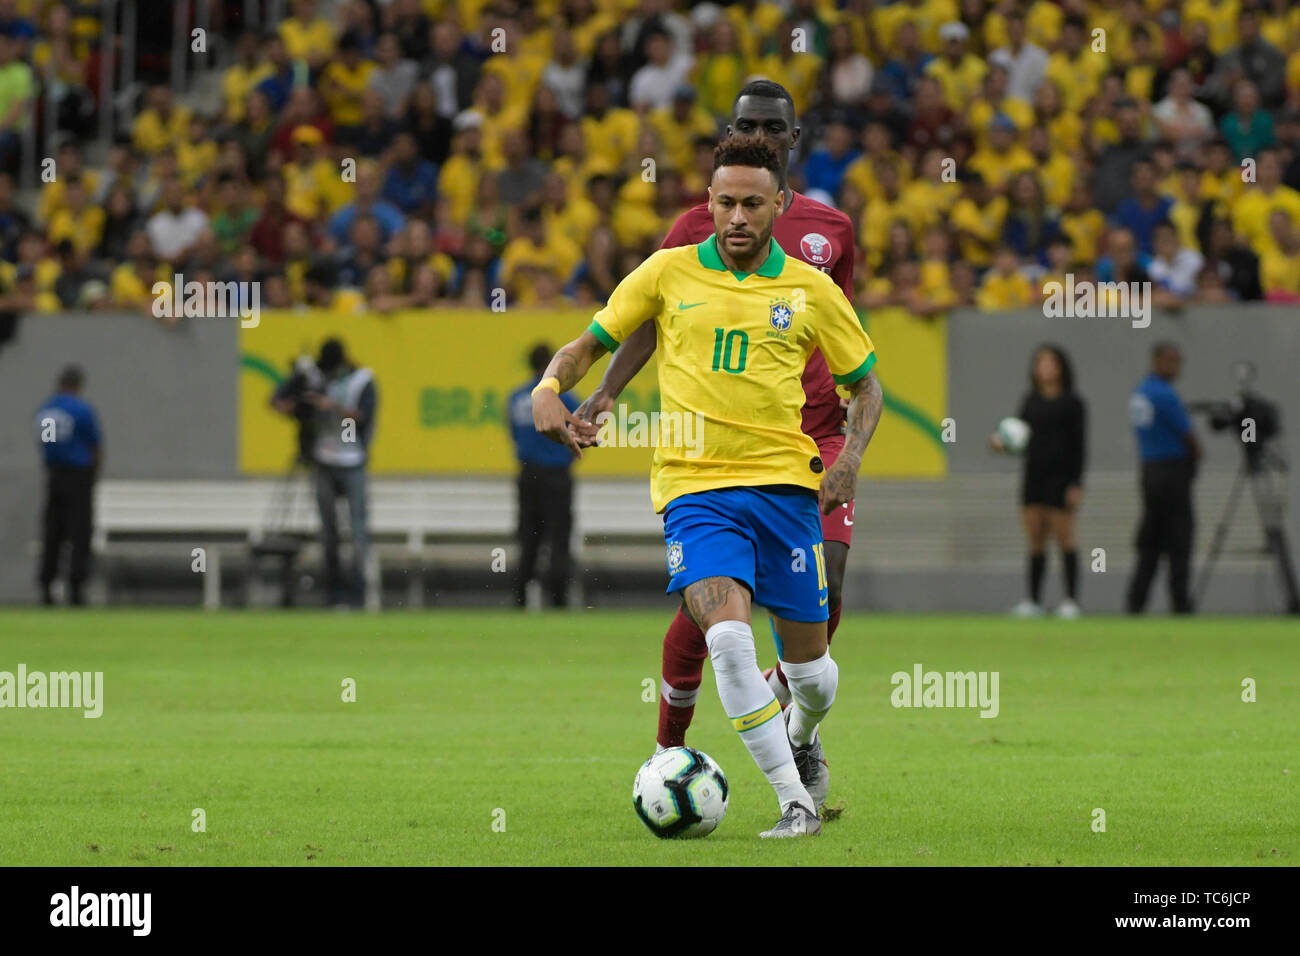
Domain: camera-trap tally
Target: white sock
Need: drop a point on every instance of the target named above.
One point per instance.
(751, 707)
(780, 690)
(812, 685)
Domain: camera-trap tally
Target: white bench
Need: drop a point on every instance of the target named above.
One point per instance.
(410, 521)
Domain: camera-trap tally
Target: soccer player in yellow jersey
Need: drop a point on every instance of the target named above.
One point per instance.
(735, 320)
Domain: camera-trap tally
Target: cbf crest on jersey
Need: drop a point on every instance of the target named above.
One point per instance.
(780, 315)
(817, 249)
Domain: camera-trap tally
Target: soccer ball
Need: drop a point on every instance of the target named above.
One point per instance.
(680, 792)
(1014, 433)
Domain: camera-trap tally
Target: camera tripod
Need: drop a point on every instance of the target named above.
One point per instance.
(1265, 473)
(278, 545)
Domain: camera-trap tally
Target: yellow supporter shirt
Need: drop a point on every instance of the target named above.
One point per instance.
(982, 111)
(797, 73)
(936, 283)
(930, 201)
(574, 222)
(676, 137)
(1057, 178)
(717, 78)
(519, 78)
(998, 168)
(128, 289)
(195, 160)
(1251, 211)
(1066, 132)
(1004, 292)
(732, 350)
(961, 83)
(636, 223)
(1043, 23)
(861, 174)
(612, 137)
(342, 88)
(979, 228)
(84, 230)
(753, 29)
(928, 17)
(311, 192)
(1078, 79)
(52, 200)
(45, 274)
(458, 184)
(236, 84)
(150, 134)
(557, 255)
(1279, 272)
(1221, 15)
(1084, 230)
(877, 218)
(1281, 31)
(305, 40)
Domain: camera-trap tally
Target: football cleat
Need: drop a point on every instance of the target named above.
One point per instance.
(810, 761)
(796, 821)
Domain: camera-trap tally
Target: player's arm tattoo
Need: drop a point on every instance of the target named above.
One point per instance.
(574, 360)
(630, 358)
(865, 406)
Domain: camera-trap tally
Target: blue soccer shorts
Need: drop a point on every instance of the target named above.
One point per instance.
(769, 538)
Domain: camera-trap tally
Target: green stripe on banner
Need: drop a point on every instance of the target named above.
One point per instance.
(909, 413)
(917, 418)
(255, 363)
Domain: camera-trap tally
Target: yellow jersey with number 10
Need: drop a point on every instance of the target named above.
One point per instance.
(731, 353)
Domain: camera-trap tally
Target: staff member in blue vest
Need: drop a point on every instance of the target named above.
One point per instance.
(72, 444)
(545, 488)
(1169, 452)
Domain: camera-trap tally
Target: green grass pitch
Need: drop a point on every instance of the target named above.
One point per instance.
(460, 715)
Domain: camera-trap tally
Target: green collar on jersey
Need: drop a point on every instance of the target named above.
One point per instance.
(710, 258)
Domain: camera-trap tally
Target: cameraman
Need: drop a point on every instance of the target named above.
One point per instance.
(1169, 452)
(335, 408)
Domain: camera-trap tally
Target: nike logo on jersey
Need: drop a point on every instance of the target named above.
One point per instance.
(823, 601)
(683, 306)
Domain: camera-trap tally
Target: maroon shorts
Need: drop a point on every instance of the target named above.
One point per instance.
(838, 525)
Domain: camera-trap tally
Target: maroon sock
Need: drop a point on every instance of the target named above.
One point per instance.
(683, 667)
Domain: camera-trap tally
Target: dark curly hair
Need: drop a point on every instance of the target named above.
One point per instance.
(738, 150)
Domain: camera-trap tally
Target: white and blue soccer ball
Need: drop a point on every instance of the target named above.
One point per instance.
(680, 792)
(1014, 433)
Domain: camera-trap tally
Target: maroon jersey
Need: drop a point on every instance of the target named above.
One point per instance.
(822, 237)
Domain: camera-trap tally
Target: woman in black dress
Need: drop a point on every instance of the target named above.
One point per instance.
(1052, 485)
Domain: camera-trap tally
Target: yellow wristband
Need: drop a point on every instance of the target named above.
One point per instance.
(552, 383)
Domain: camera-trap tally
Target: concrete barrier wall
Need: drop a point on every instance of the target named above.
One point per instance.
(166, 403)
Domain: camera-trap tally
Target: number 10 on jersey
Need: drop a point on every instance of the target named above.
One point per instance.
(730, 351)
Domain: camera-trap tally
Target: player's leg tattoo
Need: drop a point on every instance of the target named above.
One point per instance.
(711, 600)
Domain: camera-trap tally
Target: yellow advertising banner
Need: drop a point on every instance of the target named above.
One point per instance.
(444, 378)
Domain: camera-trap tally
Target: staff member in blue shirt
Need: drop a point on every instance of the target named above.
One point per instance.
(1169, 452)
(70, 439)
(545, 488)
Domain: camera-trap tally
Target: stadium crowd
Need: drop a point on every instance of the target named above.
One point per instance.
(380, 155)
